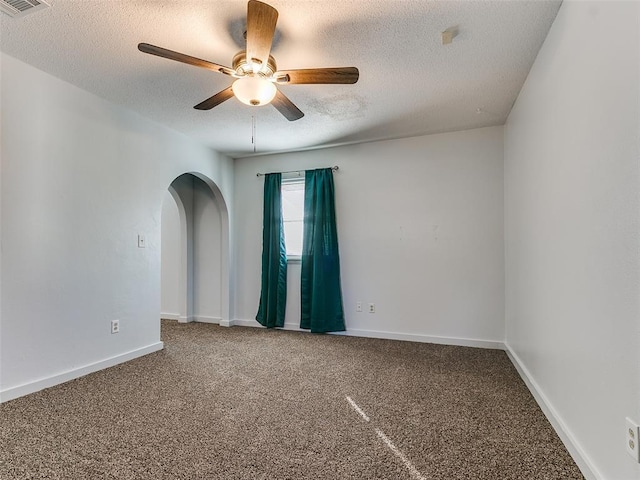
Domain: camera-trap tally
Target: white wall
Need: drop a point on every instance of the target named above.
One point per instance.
(207, 255)
(1, 169)
(572, 232)
(171, 259)
(81, 178)
(182, 191)
(420, 225)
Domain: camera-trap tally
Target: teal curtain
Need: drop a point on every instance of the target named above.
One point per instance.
(273, 294)
(321, 294)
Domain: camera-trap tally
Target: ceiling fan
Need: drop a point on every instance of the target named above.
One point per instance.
(255, 69)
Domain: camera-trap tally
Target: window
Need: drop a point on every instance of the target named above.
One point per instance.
(293, 215)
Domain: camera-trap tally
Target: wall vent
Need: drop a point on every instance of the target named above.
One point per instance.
(20, 8)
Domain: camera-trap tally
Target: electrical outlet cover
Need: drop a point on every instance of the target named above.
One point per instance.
(633, 447)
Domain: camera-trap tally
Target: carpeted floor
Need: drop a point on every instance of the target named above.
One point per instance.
(242, 403)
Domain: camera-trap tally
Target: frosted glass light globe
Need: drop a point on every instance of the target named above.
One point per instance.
(254, 91)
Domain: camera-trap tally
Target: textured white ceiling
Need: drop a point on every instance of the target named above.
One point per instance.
(410, 84)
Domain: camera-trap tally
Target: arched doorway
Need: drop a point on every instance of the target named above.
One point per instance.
(195, 252)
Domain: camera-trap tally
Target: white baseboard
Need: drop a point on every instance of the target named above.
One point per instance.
(243, 323)
(37, 385)
(410, 337)
(583, 461)
(414, 337)
(205, 319)
(196, 318)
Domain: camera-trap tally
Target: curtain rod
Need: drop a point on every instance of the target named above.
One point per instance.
(295, 171)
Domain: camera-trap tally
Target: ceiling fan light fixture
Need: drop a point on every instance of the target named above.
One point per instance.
(255, 69)
(254, 91)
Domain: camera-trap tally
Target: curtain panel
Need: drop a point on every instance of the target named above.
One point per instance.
(321, 293)
(273, 293)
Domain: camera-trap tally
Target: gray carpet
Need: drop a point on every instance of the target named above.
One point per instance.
(242, 403)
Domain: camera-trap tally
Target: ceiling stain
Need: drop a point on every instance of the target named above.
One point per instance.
(341, 107)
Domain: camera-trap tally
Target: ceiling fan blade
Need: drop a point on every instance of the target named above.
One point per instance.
(286, 107)
(181, 57)
(261, 26)
(318, 75)
(217, 99)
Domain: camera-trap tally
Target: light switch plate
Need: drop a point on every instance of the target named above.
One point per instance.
(141, 241)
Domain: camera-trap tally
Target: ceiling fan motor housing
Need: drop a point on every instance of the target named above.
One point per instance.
(243, 66)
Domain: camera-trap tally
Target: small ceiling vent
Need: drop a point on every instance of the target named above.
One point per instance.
(20, 8)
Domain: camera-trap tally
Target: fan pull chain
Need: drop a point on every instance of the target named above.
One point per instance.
(253, 133)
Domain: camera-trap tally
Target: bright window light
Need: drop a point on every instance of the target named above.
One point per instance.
(293, 215)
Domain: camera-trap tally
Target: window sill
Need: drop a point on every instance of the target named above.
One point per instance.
(294, 259)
